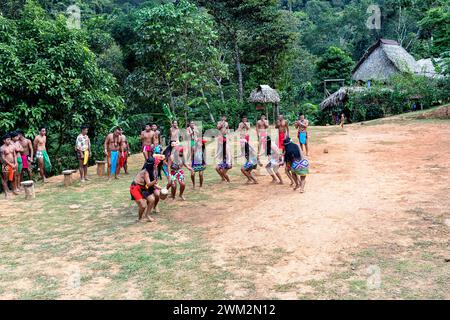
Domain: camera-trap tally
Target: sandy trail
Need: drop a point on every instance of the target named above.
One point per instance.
(357, 195)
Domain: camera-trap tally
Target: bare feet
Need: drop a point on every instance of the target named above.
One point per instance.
(156, 210)
(281, 182)
(87, 179)
(296, 187)
(182, 198)
(302, 190)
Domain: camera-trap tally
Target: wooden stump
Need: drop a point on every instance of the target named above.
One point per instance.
(28, 186)
(100, 168)
(67, 177)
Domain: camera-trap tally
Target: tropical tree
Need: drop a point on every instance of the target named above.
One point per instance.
(48, 76)
(176, 56)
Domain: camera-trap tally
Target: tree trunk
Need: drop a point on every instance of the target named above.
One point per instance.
(172, 102)
(186, 102)
(211, 116)
(239, 69)
(219, 84)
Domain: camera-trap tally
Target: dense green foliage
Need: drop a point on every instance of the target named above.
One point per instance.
(199, 59)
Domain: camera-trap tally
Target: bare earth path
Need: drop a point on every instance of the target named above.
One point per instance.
(374, 223)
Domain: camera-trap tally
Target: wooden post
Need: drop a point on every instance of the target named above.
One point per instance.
(67, 177)
(29, 189)
(100, 168)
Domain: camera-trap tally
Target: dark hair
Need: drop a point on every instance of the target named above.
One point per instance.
(6, 136)
(168, 150)
(269, 146)
(20, 132)
(13, 134)
(148, 124)
(150, 167)
(247, 151)
(41, 127)
(84, 127)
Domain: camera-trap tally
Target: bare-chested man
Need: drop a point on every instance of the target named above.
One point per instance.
(143, 190)
(27, 155)
(124, 153)
(8, 162)
(19, 150)
(147, 141)
(175, 131)
(261, 132)
(223, 127)
(113, 144)
(342, 121)
(157, 147)
(283, 130)
(42, 157)
(302, 125)
(83, 149)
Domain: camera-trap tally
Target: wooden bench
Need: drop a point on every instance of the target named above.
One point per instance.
(68, 177)
(100, 168)
(28, 186)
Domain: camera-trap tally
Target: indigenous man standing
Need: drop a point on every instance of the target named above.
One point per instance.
(174, 132)
(42, 157)
(302, 126)
(83, 148)
(19, 150)
(9, 163)
(261, 132)
(223, 127)
(283, 130)
(156, 148)
(113, 144)
(147, 141)
(124, 153)
(27, 155)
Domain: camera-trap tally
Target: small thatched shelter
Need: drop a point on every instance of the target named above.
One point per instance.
(265, 95)
(382, 60)
(338, 98)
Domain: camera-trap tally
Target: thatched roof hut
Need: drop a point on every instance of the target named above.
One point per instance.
(338, 98)
(382, 60)
(425, 67)
(264, 94)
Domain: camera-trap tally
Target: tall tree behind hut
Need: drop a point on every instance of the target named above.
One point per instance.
(257, 35)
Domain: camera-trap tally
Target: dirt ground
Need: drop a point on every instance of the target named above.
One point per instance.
(374, 223)
(359, 194)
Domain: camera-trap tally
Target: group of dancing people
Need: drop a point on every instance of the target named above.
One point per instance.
(185, 151)
(191, 154)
